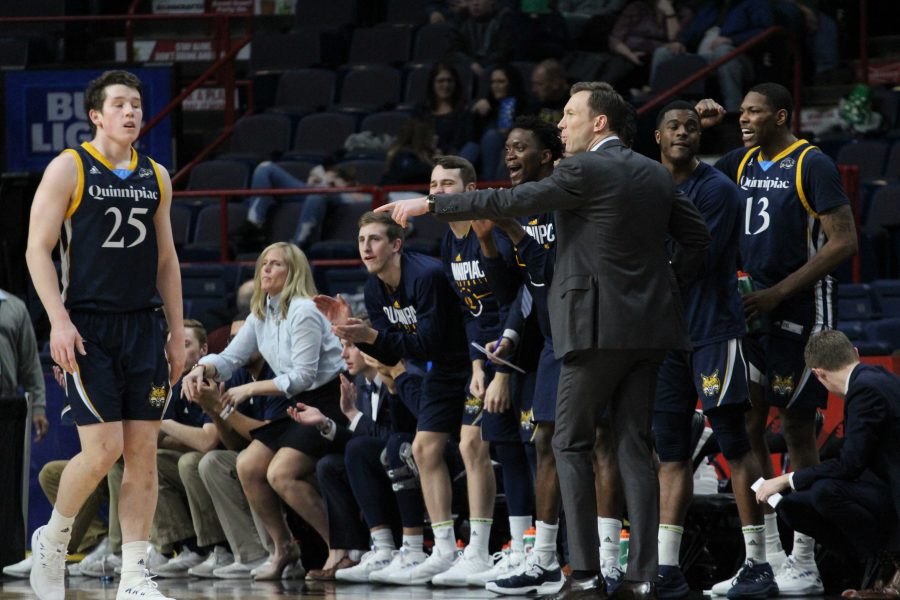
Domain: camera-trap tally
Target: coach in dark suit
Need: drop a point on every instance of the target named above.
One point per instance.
(852, 502)
(614, 311)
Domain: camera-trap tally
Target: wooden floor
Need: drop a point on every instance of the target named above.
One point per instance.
(82, 588)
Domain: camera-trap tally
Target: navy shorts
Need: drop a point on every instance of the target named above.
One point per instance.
(124, 374)
(495, 427)
(443, 395)
(523, 398)
(716, 373)
(775, 356)
(543, 406)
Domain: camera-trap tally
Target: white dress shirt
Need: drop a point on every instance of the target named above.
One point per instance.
(300, 349)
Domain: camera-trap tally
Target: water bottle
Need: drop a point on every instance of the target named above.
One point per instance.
(623, 549)
(528, 539)
(745, 286)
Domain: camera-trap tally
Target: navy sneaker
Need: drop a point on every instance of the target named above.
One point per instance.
(612, 574)
(671, 583)
(531, 578)
(755, 581)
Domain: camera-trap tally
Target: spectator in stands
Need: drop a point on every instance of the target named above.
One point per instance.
(268, 175)
(445, 107)
(850, 503)
(480, 36)
(411, 155)
(20, 365)
(598, 17)
(643, 26)
(494, 114)
(439, 11)
(244, 296)
(816, 28)
(297, 343)
(550, 89)
(217, 468)
(718, 27)
(536, 30)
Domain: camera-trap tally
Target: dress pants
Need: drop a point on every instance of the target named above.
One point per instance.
(624, 383)
(203, 513)
(346, 529)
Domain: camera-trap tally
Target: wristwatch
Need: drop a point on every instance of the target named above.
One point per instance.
(430, 200)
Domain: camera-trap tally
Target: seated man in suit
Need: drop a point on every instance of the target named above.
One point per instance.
(851, 502)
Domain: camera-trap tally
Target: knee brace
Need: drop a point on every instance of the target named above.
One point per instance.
(731, 432)
(672, 434)
(400, 466)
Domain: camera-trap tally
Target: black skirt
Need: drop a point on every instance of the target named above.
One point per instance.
(285, 432)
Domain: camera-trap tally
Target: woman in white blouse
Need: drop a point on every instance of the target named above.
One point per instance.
(297, 343)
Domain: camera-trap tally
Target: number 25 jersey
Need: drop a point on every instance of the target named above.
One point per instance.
(783, 198)
(108, 249)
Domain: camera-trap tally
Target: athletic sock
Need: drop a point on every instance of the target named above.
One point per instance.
(59, 528)
(610, 531)
(669, 543)
(755, 542)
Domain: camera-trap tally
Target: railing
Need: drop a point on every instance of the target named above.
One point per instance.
(379, 195)
(223, 69)
(742, 49)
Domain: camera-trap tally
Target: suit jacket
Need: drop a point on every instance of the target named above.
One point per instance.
(613, 286)
(871, 433)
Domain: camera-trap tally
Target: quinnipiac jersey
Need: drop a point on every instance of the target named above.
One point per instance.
(108, 242)
(463, 264)
(783, 198)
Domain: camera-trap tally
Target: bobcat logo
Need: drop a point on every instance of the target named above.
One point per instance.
(783, 385)
(526, 420)
(473, 405)
(157, 396)
(711, 384)
(787, 163)
(145, 173)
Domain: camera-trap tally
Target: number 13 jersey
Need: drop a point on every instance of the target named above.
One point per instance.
(108, 251)
(782, 200)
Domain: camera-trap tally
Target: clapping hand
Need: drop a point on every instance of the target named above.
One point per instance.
(306, 415)
(336, 309)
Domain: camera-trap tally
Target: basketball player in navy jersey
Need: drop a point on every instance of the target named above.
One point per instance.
(108, 207)
(714, 370)
(797, 229)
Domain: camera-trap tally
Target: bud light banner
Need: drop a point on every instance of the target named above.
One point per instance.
(45, 115)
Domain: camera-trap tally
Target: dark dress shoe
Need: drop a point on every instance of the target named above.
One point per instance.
(585, 589)
(634, 590)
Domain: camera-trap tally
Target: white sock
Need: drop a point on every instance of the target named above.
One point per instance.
(480, 535)
(610, 531)
(517, 528)
(414, 542)
(755, 542)
(545, 543)
(383, 539)
(804, 551)
(58, 529)
(669, 541)
(773, 540)
(134, 560)
(443, 537)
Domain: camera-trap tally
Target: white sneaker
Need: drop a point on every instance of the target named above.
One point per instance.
(507, 563)
(799, 579)
(48, 571)
(469, 563)
(107, 565)
(435, 564)
(238, 570)
(777, 559)
(179, 565)
(140, 589)
(721, 588)
(97, 554)
(397, 572)
(219, 557)
(373, 560)
(21, 569)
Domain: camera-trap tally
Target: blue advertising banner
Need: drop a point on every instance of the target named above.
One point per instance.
(45, 115)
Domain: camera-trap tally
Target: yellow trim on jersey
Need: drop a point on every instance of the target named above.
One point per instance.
(800, 191)
(740, 170)
(79, 185)
(163, 198)
(96, 154)
(784, 152)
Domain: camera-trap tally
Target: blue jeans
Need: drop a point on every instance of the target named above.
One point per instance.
(268, 175)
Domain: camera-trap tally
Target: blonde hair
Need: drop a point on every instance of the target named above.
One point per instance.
(298, 283)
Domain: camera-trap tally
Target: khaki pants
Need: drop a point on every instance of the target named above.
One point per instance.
(219, 474)
(203, 512)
